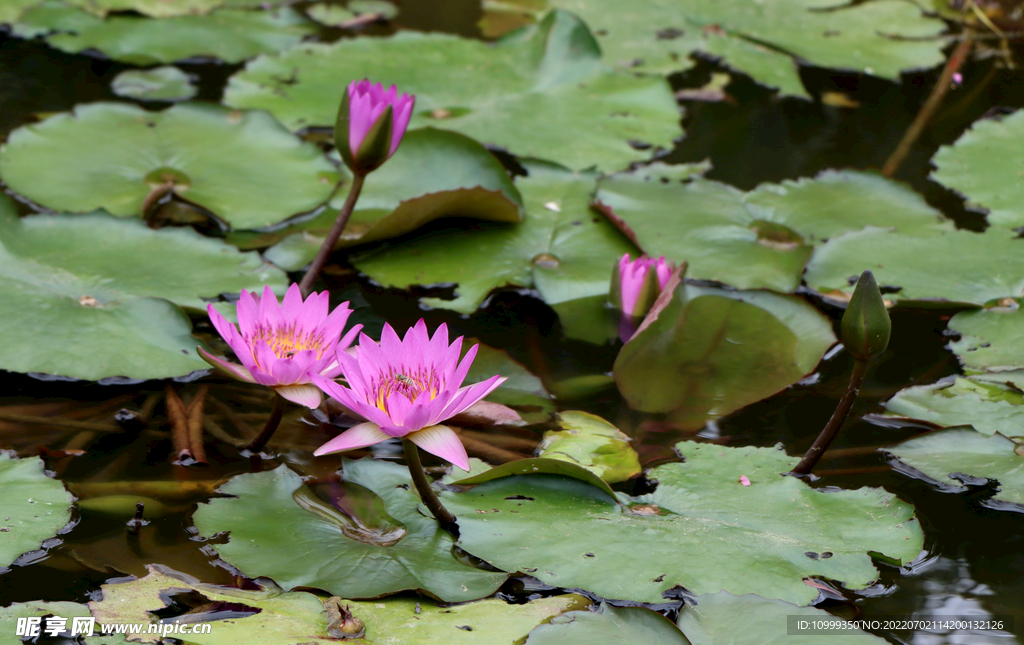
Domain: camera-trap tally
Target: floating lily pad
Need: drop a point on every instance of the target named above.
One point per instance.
(242, 166)
(404, 621)
(231, 35)
(355, 13)
(539, 466)
(991, 339)
(701, 529)
(155, 8)
(760, 239)
(590, 441)
(708, 352)
(273, 617)
(315, 545)
(33, 507)
(983, 166)
(765, 39)
(167, 83)
(961, 454)
(563, 249)
(608, 626)
(434, 174)
(987, 266)
(90, 296)
(533, 93)
(712, 621)
(11, 10)
(987, 407)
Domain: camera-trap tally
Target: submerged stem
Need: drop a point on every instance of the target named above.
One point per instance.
(332, 236)
(834, 424)
(268, 430)
(430, 500)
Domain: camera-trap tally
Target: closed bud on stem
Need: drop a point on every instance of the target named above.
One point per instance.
(370, 126)
(866, 326)
(635, 286)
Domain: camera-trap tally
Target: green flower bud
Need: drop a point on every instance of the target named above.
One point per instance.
(866, 326)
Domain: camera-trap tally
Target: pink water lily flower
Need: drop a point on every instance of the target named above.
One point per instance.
(282, 346)
(406, 388)
(371, 123)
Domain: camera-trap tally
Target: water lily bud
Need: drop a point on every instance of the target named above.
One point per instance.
(371, 123)
(635, 286)
(866, 326)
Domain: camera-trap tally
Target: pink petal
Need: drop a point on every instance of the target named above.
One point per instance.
(270, 313)
(293, 370)
(231, 369)
(744, 480)
(403, 112)
(442, 442)
(470, 394)
(220, 323)
(456, 379)
(303, 394)
(347, 339)
(359, 436)
(420, 413)
(248, 309)
(265, 359)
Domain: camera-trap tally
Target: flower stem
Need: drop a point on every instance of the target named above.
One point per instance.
(268, 430)
(834, 424)
(332, 236)
(430, 500)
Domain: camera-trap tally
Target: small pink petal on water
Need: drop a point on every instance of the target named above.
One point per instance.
(744, 480)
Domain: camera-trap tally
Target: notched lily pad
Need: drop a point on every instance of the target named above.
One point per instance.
(434, 174)
(303, 545)
(563, 249)
(765, 40)
(101, 293)
(702, 353)
(33, 507)
(987, 407)
(273, 616)
(960, 454)
(988, 266)
(991, 339)
(166, 83)
(531, 93)
(590, 441)
(700, 529)
(983, 166)
(242, 166)
(231, 35)
(760, 239)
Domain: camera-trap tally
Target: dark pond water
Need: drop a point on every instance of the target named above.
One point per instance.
(975, 555)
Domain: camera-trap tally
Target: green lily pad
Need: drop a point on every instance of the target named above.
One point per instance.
(281, 618)
(712, 621)
(590, 441)
(701, 529)
(963, 453)
(242, 166)
(314, 545)
(404, 621)
(987, 266)
(336, 16)
(154, 8)
(539, 466)
(983, 166)
(761, 239)
(167, 83)
(11, 10)
(231, 35)
(880, 38)
(991, 339)
(608, 626)
(100, 293)
(435, 174)
(33, 507)
(533, 93)
(987, 407)
(562, 249)
(707, 352)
